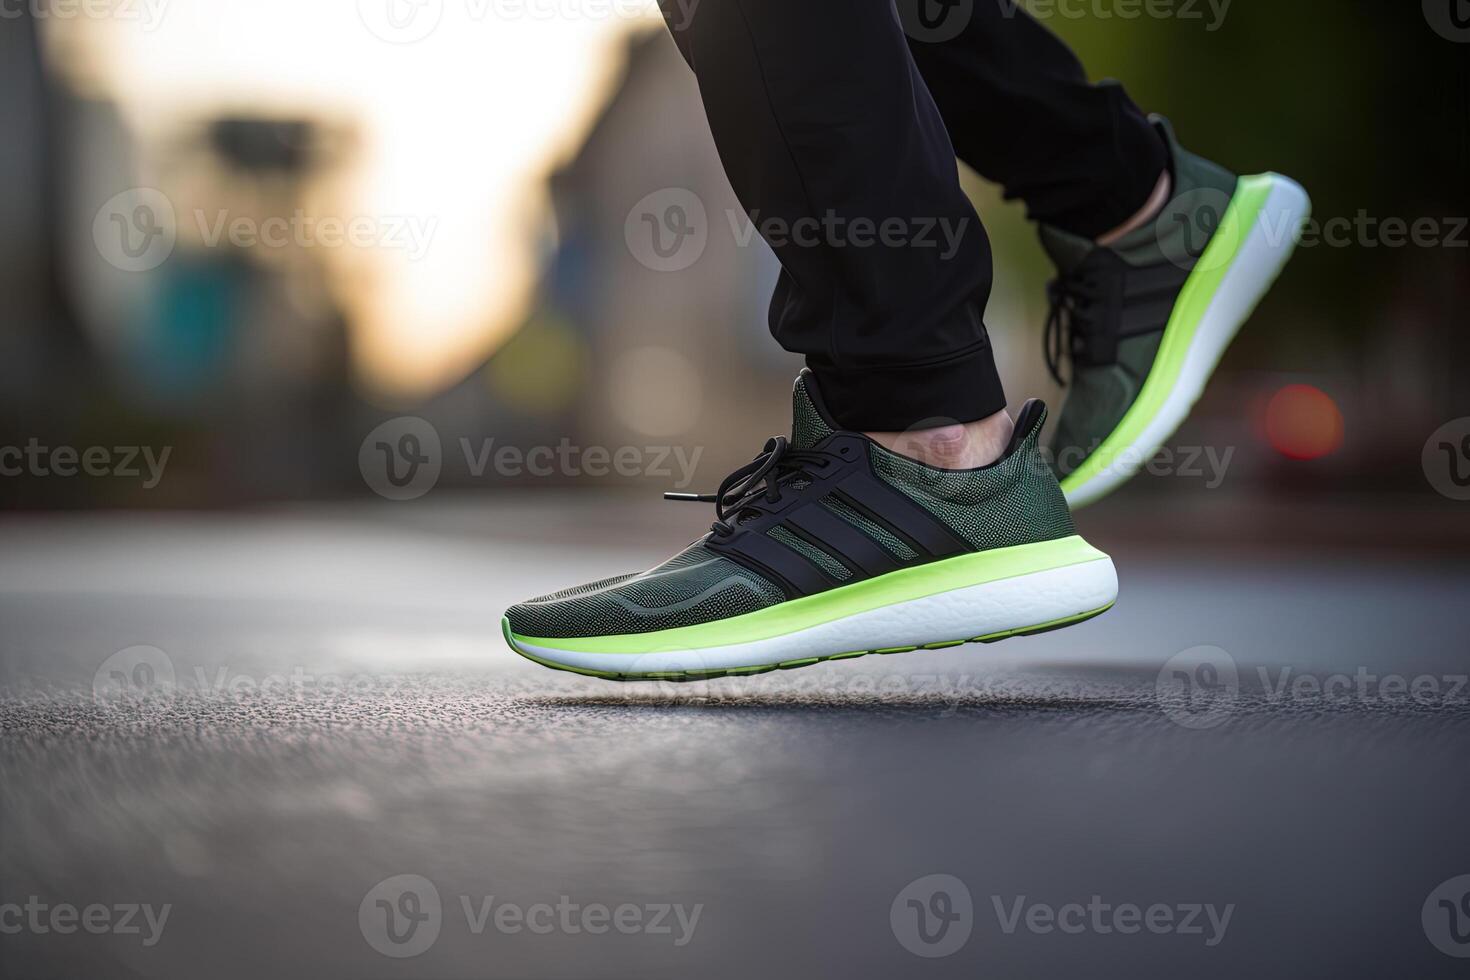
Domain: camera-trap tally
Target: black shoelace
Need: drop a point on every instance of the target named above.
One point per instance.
(761, 477)
(1071, 318)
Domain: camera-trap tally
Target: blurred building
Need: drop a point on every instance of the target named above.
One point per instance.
(677, 355)
(38, 343)
(620, 354)
(241, 355)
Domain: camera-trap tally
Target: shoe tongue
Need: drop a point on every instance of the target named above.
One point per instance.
(1065, 250)
(809, 424)
(1140, 247)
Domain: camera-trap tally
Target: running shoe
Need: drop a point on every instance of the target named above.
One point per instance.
(826, 547)
(1144, 321)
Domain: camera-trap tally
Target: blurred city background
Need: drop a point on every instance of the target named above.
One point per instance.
(251, 233)
(246, 246)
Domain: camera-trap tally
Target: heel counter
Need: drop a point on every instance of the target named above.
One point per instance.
(1038, 492)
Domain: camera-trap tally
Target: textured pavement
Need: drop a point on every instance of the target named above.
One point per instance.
(256, 719)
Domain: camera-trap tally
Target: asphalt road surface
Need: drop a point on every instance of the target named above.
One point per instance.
(292, 744)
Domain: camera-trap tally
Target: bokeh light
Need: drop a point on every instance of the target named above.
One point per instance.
(656, 391)
(1303, 422)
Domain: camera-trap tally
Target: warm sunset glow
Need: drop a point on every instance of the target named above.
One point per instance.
(460, 129)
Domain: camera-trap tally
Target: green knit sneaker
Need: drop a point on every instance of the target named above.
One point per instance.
(1145, 321)
(829, 547)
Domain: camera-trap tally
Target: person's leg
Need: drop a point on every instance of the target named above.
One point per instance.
(837, 151)
(1022, 113)
(834, 543)
(1161, 255)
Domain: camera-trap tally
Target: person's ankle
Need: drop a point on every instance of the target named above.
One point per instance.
(963, 446)
(1151, 209)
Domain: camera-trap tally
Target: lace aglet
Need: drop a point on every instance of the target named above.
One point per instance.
(693, 498)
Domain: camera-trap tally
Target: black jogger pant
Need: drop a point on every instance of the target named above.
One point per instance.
(839, 128)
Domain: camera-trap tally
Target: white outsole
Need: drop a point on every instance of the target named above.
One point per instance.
(1262, 256)
(1017, 603)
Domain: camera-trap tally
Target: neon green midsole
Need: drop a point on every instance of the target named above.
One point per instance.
(848, 600)
(1242, 214)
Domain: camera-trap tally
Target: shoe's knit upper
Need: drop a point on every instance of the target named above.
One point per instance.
(695, 586)
(1015, 501)
(1157, 258)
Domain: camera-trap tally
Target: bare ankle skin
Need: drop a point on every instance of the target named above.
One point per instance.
(963, 446)
(1147, 213)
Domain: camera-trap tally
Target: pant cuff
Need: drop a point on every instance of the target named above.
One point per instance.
(909, 396)
(1140, 155)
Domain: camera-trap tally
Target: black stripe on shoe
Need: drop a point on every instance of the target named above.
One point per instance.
(848, 478)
